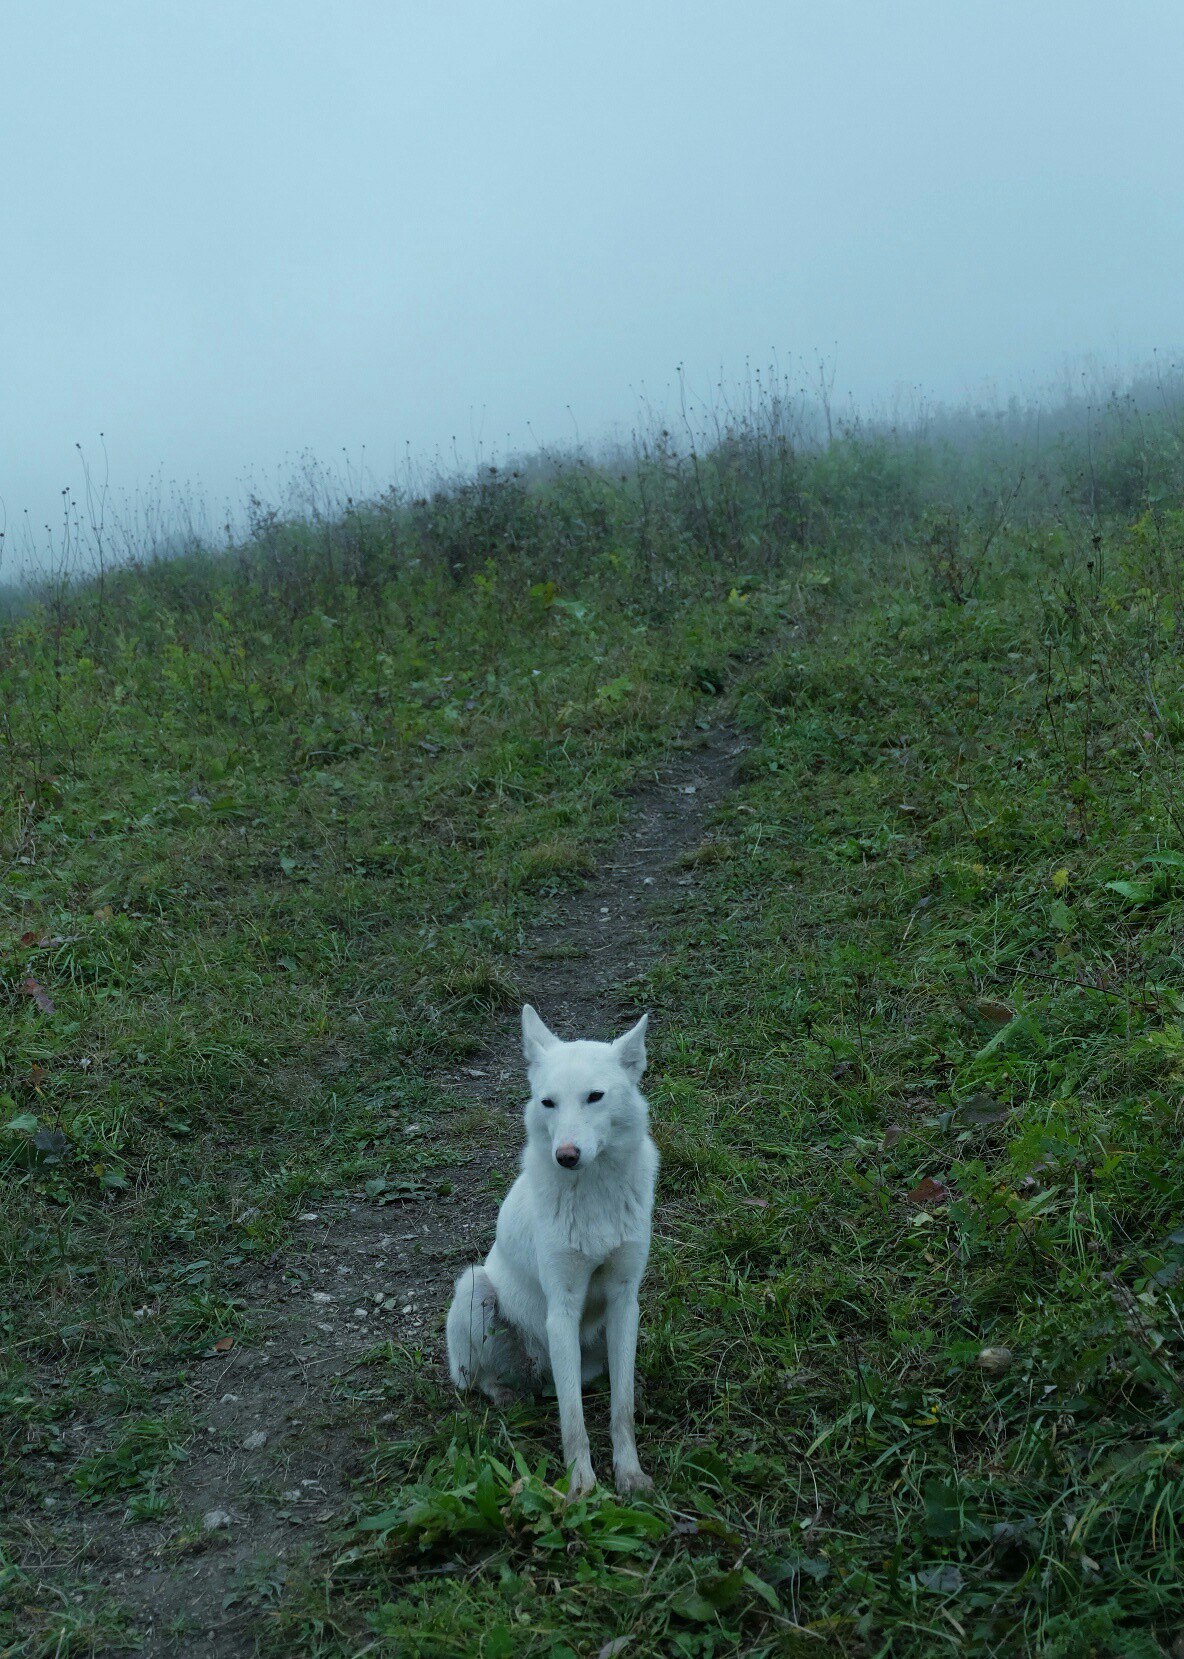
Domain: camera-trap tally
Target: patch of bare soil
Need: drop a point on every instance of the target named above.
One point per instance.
(279, 1442)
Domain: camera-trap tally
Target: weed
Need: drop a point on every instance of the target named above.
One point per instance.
(146, 1449)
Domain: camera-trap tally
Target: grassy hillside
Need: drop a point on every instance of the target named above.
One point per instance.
(272, 823)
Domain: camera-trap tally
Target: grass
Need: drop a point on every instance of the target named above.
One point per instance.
(912, 1363)
(261, 873)
(937, 1032)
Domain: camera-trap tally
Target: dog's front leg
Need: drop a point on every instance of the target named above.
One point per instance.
(565, 1303)
(620, 1326)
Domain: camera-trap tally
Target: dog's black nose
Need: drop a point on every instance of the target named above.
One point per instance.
(568, 1156)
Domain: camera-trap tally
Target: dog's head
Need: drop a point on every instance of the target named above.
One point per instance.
(584, 1096)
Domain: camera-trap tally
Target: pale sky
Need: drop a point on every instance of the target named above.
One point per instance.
(237, 230)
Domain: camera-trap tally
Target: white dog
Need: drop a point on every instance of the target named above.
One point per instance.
(557, 1297)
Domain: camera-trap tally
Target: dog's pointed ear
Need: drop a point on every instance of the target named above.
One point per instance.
(630, 1049)
(536, 1039)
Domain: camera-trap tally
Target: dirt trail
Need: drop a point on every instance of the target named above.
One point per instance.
(278, 1442)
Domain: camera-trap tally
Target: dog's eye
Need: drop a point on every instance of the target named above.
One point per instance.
(597, 1094)
(548, 1103)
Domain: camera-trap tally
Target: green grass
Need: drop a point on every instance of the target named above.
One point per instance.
(136, 1464)
(262, 873)
(935, 1031)
(272, 831)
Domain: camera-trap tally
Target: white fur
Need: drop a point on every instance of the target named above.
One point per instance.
(556, 1300)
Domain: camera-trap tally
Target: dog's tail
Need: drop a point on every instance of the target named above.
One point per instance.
(470, 1325)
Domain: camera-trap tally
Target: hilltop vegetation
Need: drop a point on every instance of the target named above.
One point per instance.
(272, 822)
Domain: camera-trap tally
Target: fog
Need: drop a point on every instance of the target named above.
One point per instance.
(235, 234)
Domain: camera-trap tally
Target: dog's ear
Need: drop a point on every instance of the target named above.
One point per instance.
(630, 1049)
(536, 1039)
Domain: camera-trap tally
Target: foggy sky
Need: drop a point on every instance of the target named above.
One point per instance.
(238, 230)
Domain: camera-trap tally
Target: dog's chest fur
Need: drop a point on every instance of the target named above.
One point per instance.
(605, 1206)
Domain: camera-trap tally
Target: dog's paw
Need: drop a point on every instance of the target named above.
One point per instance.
(633, 1479)
(580, 1480)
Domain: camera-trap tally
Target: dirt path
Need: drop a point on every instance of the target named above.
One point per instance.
(278, 1441)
